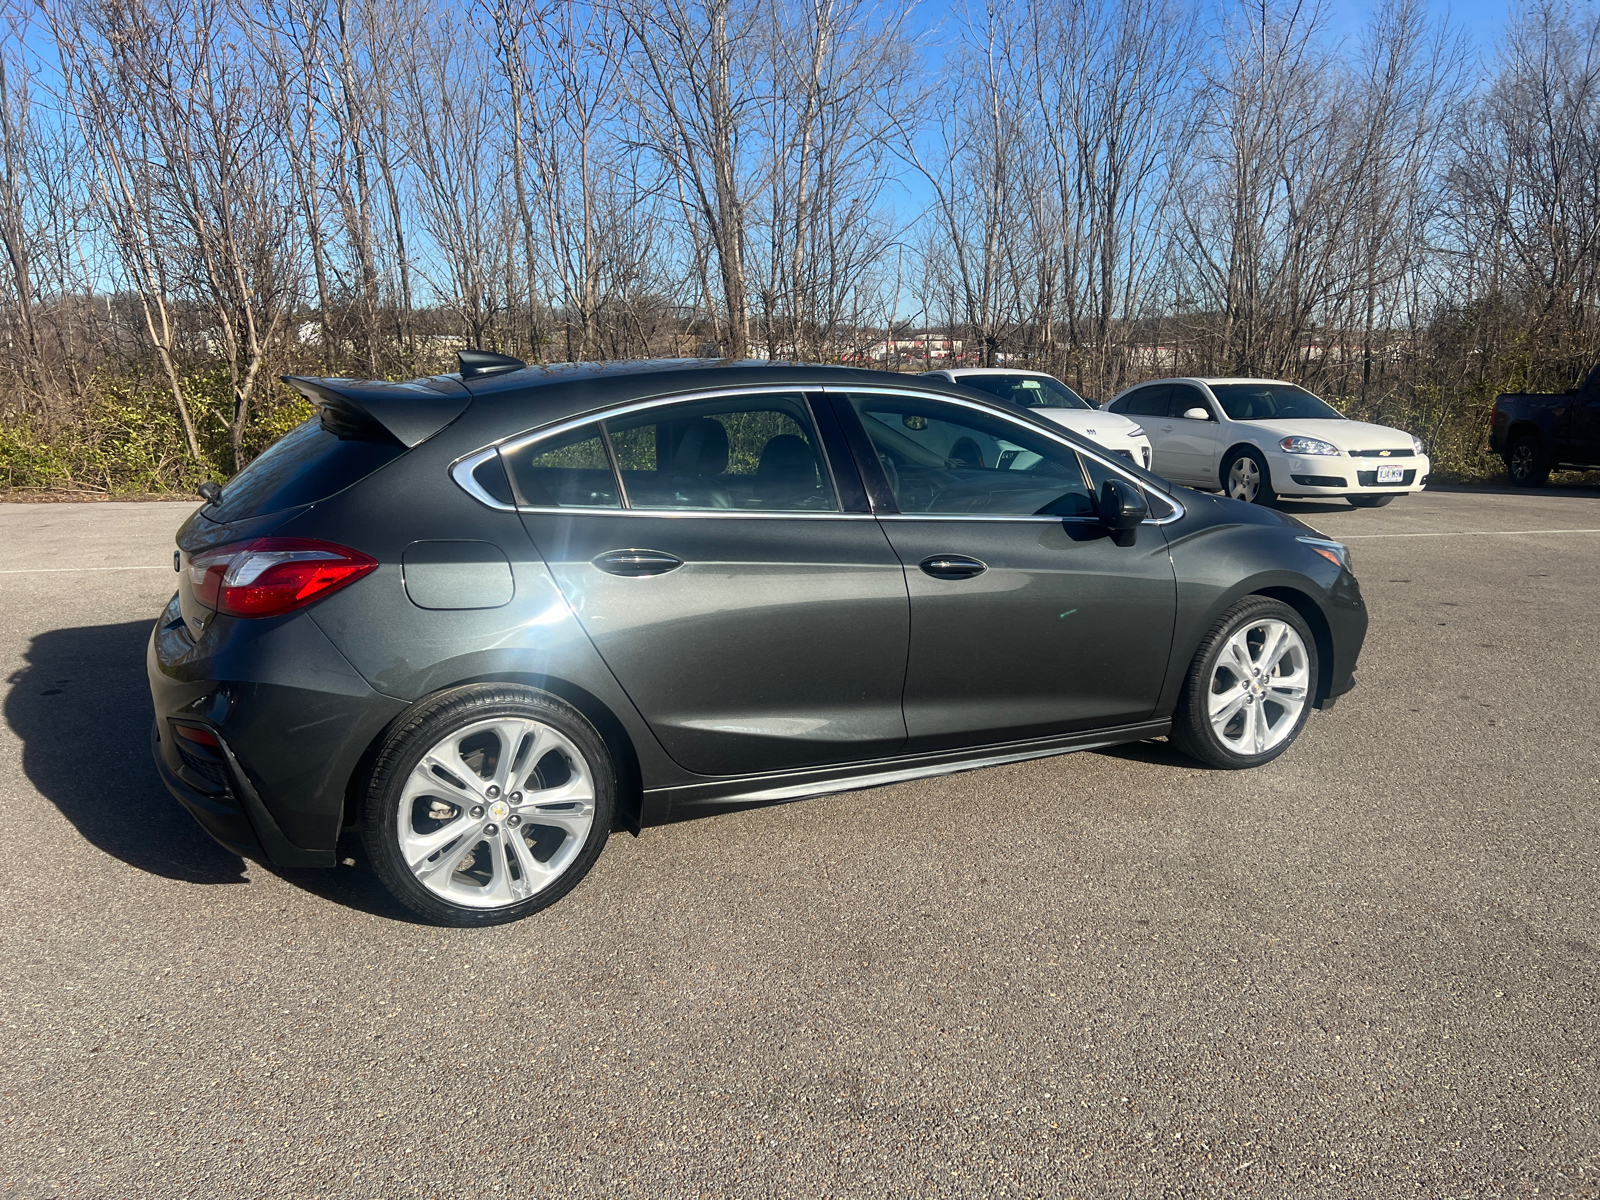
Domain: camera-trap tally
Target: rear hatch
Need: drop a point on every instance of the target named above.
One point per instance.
(359, 428)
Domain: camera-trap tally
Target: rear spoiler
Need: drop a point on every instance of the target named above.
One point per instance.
(373, 411)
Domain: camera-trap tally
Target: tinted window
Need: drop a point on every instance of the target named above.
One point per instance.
(1184, 397)
(567, 471)
(1029, 391)
(946, 458)
(1146, 402)
(1272, 402)
(305, 465)
(743, 452)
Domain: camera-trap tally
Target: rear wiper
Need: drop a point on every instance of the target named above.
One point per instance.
(210, 492)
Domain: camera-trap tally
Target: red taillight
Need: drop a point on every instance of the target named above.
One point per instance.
(268, 576)
(194, 733)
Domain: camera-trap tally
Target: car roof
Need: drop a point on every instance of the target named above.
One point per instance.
(534, 396)
(957, 372)
(1208, 380)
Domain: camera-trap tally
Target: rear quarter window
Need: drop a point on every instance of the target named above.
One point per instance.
(305, 465)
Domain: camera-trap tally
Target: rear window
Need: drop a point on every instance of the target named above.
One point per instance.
(305, 465)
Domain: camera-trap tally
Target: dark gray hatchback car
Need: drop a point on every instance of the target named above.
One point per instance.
(489, 617)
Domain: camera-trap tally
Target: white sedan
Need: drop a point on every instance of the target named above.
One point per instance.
(1257, 439)
(1046, 396)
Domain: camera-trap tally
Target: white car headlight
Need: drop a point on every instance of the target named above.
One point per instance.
(1138, 431)
(1297, 444)
(1417, 447)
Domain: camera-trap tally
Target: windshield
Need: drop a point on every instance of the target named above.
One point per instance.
(1029, 391)
(1272, 402)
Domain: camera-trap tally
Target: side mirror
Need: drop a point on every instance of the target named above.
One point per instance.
(1122, 509)
(1196, 414)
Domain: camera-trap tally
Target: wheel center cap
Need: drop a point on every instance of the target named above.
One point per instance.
(499, 810)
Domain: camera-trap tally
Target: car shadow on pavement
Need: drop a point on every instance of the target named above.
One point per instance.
(1158, 752)
(81, 707)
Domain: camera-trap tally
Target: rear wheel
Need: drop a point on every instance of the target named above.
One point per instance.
(1369, 501)
(1245, 477)
(1526, 463)
(1249, 688)
(488, 805)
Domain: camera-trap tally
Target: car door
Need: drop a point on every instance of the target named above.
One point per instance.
(709, 549)
(1585, 422)
(1148, 406)
(1027, 619)
(1189, 447)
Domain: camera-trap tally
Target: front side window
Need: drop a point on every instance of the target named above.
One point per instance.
(1272, 402)
(945, 458)
(570, 470)
(745, 453)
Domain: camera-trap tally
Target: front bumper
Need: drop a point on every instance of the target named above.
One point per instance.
(1135, 450)
(1319, 475)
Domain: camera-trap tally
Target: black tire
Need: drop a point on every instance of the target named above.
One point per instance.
(425, 730)
(1192, 730)
(1263, 493)
(1526, 464)
(1369, 501)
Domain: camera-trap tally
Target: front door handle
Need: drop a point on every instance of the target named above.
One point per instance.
(952, 566)
(635, 564)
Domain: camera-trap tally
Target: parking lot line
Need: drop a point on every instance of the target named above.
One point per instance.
(1350, 537)
(74, 570)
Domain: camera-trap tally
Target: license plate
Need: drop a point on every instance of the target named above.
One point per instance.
(1391, 473)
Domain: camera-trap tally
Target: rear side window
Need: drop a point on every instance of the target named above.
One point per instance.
(572, 470)
(755, 452)
(305, 465)
(1146, 402)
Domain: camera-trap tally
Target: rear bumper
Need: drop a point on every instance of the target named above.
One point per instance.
(292, 719)
(216, 809)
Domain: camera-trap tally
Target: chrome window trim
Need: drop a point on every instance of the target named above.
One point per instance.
(1097, 454)
(461, 470)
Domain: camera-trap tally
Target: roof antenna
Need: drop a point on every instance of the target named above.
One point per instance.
(475, 364)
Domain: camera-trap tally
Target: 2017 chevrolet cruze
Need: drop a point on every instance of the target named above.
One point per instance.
(488, 617)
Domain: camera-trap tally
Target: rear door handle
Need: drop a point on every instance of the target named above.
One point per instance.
(952, 566)
(635, 564)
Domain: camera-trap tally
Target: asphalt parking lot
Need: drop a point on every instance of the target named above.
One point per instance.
(1369, 969)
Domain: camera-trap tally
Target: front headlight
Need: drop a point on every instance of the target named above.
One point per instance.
(1417, 447)
(1307, 445)
(1335, 552)
(1136, 431)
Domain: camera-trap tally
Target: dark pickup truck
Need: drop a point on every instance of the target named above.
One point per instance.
(1539, 433)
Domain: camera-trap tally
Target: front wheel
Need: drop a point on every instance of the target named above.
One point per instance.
(1245, 477)
(1249, 688)
(488, 804)
(1369, 501)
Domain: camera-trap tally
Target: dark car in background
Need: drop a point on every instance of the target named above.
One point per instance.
(1536, 433)
(487, 618)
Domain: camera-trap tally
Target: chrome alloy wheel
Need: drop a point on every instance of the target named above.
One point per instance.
(1258, 687)
(1244, 479)
(494, 813)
